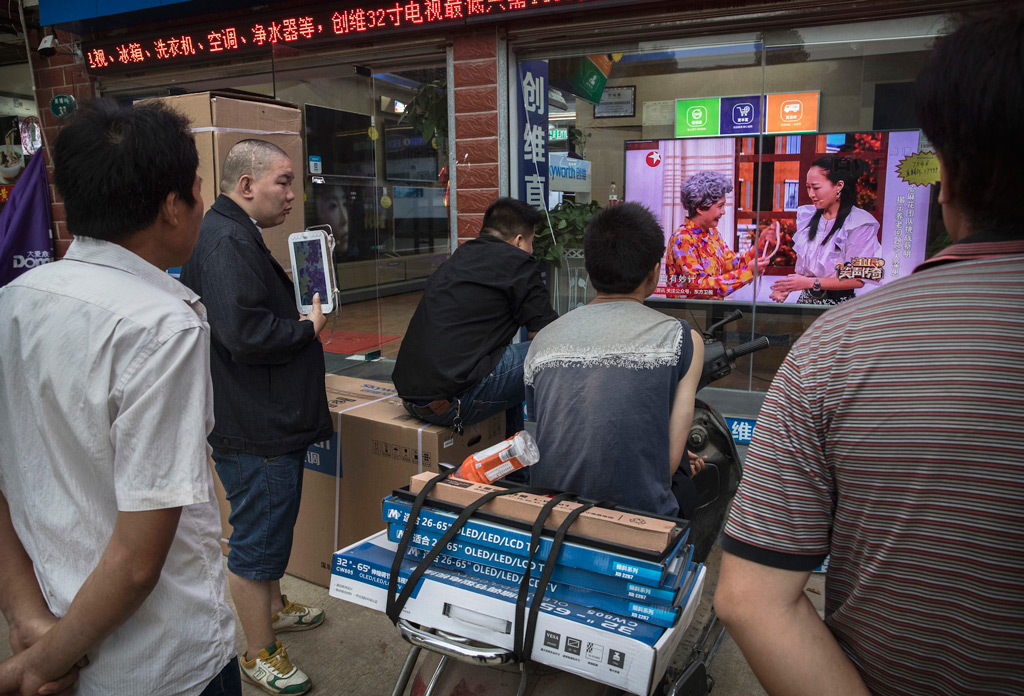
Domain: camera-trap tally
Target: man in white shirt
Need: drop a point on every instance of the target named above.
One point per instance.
(108, 525)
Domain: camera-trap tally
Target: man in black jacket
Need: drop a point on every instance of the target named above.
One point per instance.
(270, 404)
(456, 366)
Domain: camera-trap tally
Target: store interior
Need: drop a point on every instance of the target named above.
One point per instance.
(375, 157)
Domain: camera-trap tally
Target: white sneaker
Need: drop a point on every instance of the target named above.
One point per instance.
(274, 672)
(296, 617)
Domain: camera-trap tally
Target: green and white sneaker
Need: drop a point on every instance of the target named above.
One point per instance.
(296, 617)
(274, 672)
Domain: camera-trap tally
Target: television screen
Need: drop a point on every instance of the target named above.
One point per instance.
(421, 219)
(883, 235)
(341, 139)
(407, 156)
(350, 211)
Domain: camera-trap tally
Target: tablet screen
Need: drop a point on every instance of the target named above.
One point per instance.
(309, 264)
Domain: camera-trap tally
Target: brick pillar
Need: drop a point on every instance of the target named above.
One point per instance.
(476, 129)
(58, 74)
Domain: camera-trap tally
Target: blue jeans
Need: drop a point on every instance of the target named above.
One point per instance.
(501, 390)
(227, 683)
(264, 494)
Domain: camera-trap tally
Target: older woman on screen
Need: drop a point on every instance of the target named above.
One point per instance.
(831, 232)
(697, 260)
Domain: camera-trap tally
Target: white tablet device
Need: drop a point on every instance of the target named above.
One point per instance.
(311, 270)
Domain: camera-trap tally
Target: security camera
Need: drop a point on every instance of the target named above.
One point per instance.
(48, 46)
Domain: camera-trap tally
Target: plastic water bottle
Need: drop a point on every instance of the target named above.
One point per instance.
(493, 463)
(613, 195)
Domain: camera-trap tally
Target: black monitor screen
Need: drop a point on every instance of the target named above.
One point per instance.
(407, 156)
(341, 139)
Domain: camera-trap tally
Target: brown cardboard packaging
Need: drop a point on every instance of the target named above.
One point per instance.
(219, 120)
(376, 448)
(626, 528)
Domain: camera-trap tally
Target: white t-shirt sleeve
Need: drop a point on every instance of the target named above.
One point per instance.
(162, 417)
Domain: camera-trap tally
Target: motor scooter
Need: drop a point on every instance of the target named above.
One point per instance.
(455, 666)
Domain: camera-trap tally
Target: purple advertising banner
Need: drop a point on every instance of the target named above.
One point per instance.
(740, 115)
(25, 224)
(905, 218)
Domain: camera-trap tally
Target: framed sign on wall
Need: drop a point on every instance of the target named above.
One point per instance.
(617, 102)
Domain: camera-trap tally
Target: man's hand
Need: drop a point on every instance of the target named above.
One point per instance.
(315, 315)
(19, 678)
(24, 634)
(696, 464)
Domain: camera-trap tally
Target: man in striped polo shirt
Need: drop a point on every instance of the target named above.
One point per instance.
(892, 438)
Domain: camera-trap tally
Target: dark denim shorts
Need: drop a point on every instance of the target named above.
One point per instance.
(264, 494)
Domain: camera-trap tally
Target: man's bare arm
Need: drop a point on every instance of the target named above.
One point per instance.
(21, 600)
(22, 604)
(681, 417)
(127, 572)
(788, 646)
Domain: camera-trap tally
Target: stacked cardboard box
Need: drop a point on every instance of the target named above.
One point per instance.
(610, 613)
(376, 447)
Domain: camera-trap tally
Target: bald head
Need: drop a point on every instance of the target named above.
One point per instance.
(258, 175)
(253, 158)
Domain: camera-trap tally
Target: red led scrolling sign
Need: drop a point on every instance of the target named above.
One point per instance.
(326, 24)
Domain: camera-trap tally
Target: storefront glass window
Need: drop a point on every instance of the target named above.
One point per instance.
(364, 171)
(635, 121)
(19, 120)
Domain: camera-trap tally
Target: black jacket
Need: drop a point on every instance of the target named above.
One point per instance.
(267, 366)
(472, 306)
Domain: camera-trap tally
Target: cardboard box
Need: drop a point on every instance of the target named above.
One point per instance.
(219, 120)
(603, 647)
(626, 528)
(377, 446)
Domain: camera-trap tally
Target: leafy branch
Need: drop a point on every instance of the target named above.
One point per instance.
(569, 220)
(428, 113)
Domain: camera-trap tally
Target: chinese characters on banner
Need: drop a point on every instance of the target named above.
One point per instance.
(905, 218)
(861, 267)
(368, 18)
(533, 133)
(742, 429)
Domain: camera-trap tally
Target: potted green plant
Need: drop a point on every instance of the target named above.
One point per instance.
(427, 112)
(568, 220)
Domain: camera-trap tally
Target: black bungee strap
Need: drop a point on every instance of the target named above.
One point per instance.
(526, 647)
(396, 604)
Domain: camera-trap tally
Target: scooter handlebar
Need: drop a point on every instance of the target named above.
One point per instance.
(748, 347)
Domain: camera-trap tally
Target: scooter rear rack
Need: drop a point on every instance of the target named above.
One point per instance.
(450, 647)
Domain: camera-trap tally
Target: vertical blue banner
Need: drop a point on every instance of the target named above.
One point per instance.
(532, 134)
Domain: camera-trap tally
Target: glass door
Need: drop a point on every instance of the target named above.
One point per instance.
(339, 176)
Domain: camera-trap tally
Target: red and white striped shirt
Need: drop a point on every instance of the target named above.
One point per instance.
(893, 438)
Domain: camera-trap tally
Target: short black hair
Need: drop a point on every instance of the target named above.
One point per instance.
(970, 98)
(507, 217)
(620, 247)
(253, 157)
(114, 165)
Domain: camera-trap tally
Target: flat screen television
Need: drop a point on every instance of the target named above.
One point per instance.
(421, 219)
(407, 156)
(341, 139)
(349, 208)
(770, 186)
